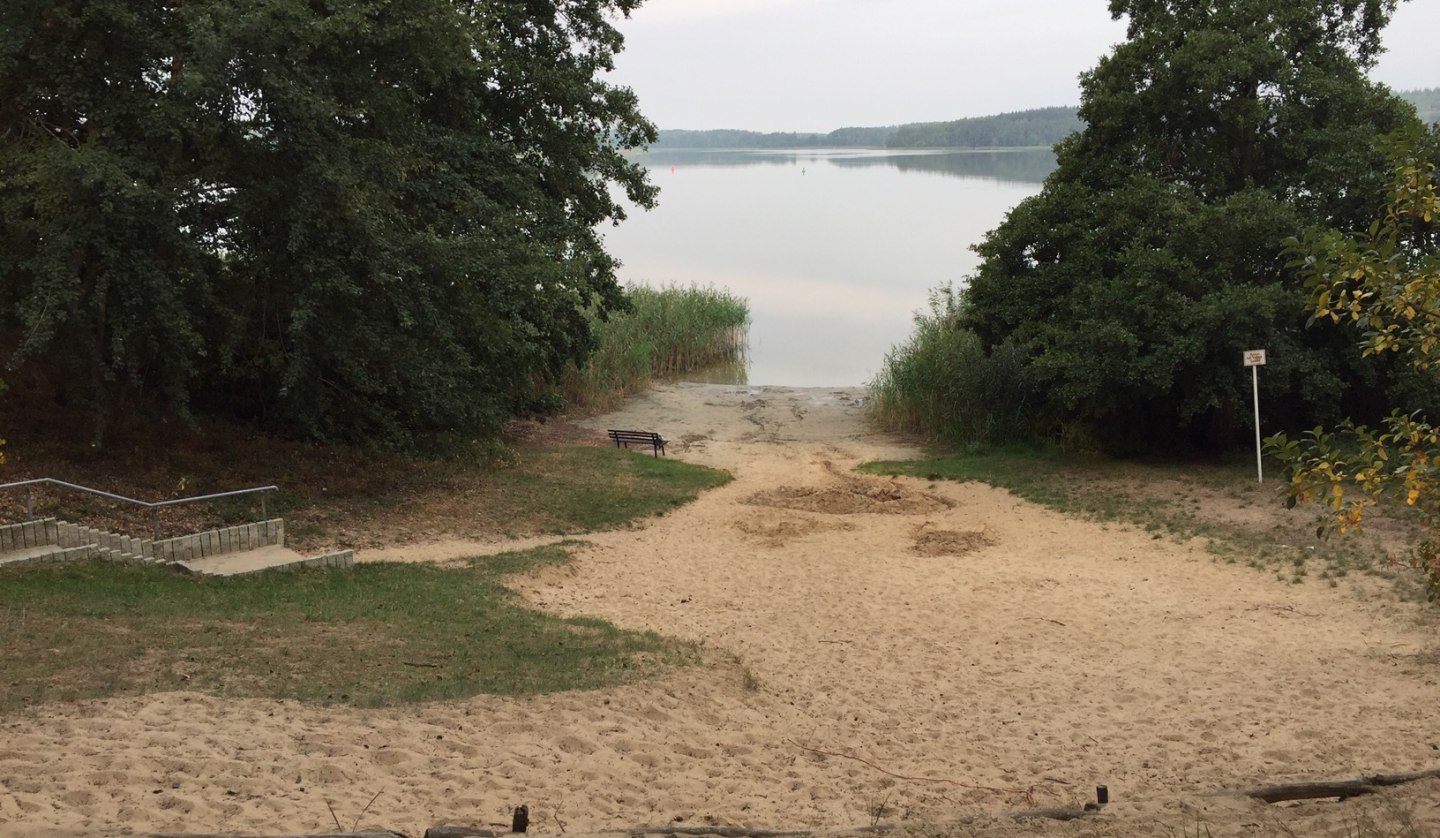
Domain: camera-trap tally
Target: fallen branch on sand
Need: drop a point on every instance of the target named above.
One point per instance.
(1342, 789)
(1335, 788)
(1055, 813)
(721, 831)
(326, 835)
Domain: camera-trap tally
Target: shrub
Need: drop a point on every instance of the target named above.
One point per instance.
(668, 331)
(941, 383)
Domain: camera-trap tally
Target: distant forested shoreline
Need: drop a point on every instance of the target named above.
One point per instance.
(1426, 102)
(1018, 129)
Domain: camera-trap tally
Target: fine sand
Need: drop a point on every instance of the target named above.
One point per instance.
(878, 649)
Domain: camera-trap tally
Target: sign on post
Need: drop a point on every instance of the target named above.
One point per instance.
(1255, 359)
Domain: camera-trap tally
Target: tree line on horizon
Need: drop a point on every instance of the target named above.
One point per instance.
(1016, 129)
(1032, 128)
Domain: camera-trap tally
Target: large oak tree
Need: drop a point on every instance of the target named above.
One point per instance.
(352, 219)
(1152, 257)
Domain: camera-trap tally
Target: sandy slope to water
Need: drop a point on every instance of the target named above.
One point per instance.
(923, 651)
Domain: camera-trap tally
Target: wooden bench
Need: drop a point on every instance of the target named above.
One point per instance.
(650, 438)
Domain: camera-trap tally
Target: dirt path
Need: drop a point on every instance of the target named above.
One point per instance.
(952, 650)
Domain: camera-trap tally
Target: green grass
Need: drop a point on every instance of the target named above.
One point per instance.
(1166, 500)
(579, 489)
(540, 490)
(382, 634)
(1064, 483)
(670, 331)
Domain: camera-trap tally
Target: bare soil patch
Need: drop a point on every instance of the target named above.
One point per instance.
(848, 494)
(930, 541)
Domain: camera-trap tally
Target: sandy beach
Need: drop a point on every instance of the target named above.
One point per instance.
(877, 649)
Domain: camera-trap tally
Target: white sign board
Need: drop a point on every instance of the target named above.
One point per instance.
(1254, 357)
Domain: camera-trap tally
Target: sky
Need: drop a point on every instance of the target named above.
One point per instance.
(817, 65)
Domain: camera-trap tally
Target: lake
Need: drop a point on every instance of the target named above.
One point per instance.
(835, 249)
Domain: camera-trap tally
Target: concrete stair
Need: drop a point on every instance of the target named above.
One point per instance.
(233, 551)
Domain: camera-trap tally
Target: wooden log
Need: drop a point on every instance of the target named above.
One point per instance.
(1335, 788)
(1054, 813)
(447, 831)
(721, 831)
(305, 835)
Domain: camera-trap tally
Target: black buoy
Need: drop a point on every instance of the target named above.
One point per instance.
(522, 819)
(1102, 795)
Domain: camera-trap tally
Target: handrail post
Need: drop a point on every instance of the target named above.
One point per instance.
(155, 522)
(29, 505)
(264, 516)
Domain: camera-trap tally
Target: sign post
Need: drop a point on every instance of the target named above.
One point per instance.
(1255, 359)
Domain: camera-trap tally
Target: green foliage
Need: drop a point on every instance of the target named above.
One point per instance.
(382, 634)
(1384, 281)
(941, 383)
(364, 220)
(1151, 258)
(667, 331)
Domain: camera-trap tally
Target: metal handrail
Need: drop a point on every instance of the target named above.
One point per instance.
(153, 506)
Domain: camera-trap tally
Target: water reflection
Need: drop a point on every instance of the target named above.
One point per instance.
(835, 250)
(1020, 165)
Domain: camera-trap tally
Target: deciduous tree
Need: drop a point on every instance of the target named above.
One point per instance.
(359, 219)
(1151, 258)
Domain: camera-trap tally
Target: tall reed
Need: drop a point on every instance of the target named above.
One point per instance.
(942, 384)
(670, 330)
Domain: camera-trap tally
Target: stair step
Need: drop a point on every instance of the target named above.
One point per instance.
(273, 557)
(248, 548)
(26, 534)
(30, 554)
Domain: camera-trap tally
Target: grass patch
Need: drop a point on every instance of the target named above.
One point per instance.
(671, 330)
(575, 489)
(1086, 488)
(341, 497)
(382, 634)
(1242, 521)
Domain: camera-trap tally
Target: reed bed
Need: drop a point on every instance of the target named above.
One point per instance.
(941, 384)
(670, 331)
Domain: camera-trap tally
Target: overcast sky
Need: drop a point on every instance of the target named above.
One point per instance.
(817, 65)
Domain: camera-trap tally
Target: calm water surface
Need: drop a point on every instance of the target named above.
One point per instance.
(836, 250)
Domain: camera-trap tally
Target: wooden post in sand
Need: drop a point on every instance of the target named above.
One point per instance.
(1255, 359)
